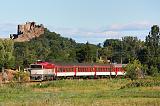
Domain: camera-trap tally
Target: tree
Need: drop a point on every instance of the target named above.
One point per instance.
(6, 55)
(142, 54)
(81, 54)
(105, 53)
(131, 45)
(153, 47)
(113, 49)
(86, 53)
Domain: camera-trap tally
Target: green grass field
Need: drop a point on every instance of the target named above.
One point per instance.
(101, 92)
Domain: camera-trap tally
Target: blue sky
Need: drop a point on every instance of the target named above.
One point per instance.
(82, 20)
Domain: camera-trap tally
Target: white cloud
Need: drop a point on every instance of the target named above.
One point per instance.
(115, 31)
(133, 26)
(83, 35)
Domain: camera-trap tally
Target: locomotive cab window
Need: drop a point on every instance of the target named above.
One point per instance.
(36, 66)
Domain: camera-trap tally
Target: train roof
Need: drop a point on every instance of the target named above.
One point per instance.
(119, 65)
(49, 64)
(80, 64)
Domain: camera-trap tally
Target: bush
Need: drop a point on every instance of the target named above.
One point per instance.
(143, 83)
(134, 70)
(22, 76)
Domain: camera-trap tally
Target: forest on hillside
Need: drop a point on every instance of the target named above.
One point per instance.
(53, 47)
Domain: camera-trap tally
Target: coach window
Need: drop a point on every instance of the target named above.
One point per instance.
(60, 70)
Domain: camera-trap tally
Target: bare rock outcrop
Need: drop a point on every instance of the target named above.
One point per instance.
(27, 31)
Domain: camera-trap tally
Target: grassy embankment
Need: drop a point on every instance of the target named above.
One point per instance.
(114, 92)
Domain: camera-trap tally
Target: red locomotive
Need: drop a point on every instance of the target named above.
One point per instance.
(48, 71)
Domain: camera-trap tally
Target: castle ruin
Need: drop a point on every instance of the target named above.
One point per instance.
(27, 31)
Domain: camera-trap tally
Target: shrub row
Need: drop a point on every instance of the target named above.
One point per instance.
(142, 83)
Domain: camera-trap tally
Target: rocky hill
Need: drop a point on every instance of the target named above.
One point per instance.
(27, 31)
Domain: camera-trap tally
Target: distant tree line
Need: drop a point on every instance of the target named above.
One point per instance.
(53, 48)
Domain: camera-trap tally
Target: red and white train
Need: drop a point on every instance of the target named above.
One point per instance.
(48, 71)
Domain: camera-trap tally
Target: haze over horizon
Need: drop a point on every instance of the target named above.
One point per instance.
(91, 20)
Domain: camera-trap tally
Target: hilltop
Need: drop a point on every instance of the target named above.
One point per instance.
(33, 42)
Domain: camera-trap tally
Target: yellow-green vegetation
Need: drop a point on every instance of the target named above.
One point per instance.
(101, 92)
